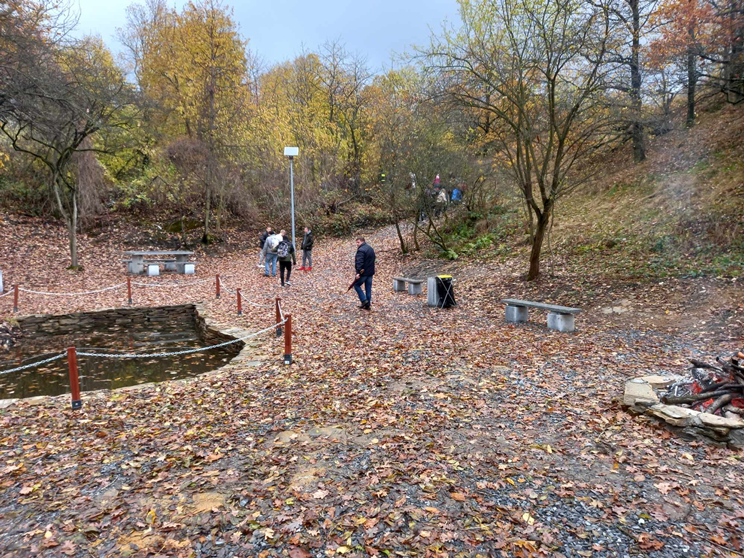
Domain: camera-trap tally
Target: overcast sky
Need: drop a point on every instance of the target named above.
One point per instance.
(277, 29)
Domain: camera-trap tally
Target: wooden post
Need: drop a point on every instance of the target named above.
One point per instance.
(217, 282)
(278, 317)
(240, 303)
(129, 290)
(15, 298)
(74, 381)
(288, 341)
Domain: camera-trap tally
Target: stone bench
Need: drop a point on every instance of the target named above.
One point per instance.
(170, 265)
(414, 285)
(560, 318)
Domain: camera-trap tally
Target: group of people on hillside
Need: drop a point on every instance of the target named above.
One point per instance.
(438, 197)
(277, 247)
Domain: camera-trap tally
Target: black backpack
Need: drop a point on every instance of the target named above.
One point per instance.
(283, 249)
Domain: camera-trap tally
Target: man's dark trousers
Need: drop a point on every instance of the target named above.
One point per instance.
(365, 280)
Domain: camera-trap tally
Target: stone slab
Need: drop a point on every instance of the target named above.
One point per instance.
(659, 382)
(673, 414)
(541, 305)
(639, 393)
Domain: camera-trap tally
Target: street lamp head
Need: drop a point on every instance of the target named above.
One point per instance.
(291, 151)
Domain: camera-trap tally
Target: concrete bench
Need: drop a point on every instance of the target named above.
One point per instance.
(170, 265)
(414, 285)
(561, 318)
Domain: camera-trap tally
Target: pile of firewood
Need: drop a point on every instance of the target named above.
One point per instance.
(716, 389)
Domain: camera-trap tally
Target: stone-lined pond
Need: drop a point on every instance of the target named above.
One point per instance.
(126, 330)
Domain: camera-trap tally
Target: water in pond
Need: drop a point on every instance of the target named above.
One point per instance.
(106, 373)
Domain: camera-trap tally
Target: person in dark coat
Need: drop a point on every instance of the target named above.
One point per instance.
(365, 270)
(307, 250)
(262, 241)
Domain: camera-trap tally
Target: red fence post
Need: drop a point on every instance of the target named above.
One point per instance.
(277, 301)
(129, 289)
(288, 341)
(217, 282)
(240, 303)
(74, 381)
(15, 298)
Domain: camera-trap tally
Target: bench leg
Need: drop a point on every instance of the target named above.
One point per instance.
(516, 314)
(170, 266)
(136, 266)
(399, 286)
(415, 289)
(561, 322)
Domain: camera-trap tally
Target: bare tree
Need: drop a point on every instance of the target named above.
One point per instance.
(57, 102)
(539, 68)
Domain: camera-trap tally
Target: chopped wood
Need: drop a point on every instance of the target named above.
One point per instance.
(719, 403)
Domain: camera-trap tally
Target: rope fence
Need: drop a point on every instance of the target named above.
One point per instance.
(282, 324)
(33, 364)
(45, 293)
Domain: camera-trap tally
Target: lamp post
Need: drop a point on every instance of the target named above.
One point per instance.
(292, 152)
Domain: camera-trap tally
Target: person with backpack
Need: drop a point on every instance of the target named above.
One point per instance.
(286, 255)
(270, 254)
(364, 263)
(262, 241)
(307, 250)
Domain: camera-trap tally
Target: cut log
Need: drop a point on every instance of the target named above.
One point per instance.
(718, 403)
(695, 397)
(700, 364)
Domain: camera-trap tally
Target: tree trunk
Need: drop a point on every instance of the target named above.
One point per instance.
(72, 232)
(207, 209)
(543, 220)
(691, 83)
(639, 143)
(400, 237)
(70, 217)
(184, 238)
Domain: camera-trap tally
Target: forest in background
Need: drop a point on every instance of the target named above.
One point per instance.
(523, 103)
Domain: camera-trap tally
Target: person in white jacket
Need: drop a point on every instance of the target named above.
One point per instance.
(270, 255)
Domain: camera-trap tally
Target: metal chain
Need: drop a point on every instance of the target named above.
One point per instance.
(184, 352)
(72, 294)
(255, 303)
(225, 287)
(243, 297)
(39, 363)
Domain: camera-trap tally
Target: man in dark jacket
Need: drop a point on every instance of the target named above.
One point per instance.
(307, 250)
(262, 240)
(365, 269)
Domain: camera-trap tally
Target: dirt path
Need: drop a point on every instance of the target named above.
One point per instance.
(403, 431)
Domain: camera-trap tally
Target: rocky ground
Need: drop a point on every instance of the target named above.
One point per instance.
(404, 431)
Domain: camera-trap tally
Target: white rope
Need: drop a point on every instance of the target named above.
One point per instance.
(281, 311)
(184, 352)
(188, 284)
(72, 294)
(243, 297)
(225, 286)
(39, 363)
(6, 294)
(254, 303)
